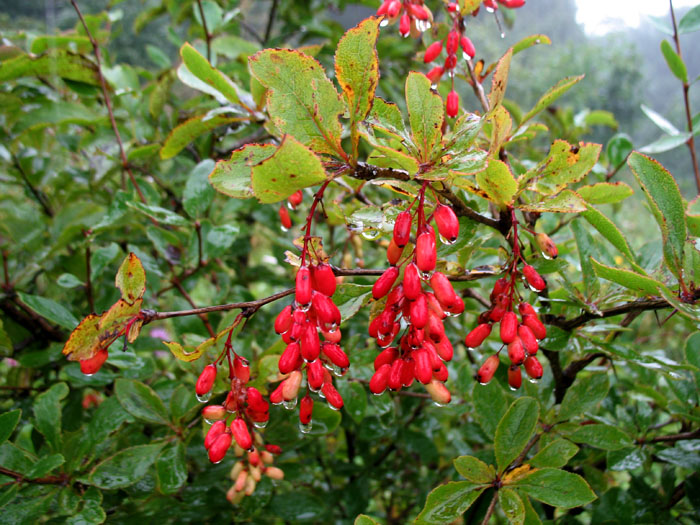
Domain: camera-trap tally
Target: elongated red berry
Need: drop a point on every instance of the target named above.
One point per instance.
(385, 282)
(426, 252)
(418, 11)
(215, 431)
(303, 285)
(534, 279)
(394, 8)
(92, 365)
(241, 434)
(290, 358)
(325, 309)
(450, 62)
(452, 42)
(512, 4)
(442, 287)
(273, 449)
(306, 407)
(219, 447)
(534, 324)
(295, 198)
(432, 52)
(444, 349)
(378, 382)
(402, 229)
(423, 370)
(467, 47)
(447, 222)
(310, 343)
(456, 307)
(435, 328)
(333, 397)
(336, 355)
(435, 74)
(291, 385)
(477, 335)
(533, 367)
(314, 375)
(386, 356)
(277, 395)
(285, 219)
(255, 400)
(488, 369)
(206, 380)
(214, 412)
(528, 338)
(405, 25)
(515, 377)
(509, 327)
(384, 7)
(395, 374)
(393, 253)
(434, 305)
(324, 279)
(241, 369)
(441, 374)
(412, 287)
(499, 288)
(283, 322)
(516, 352)
(419, 312)
(526, 308)
(452, 106)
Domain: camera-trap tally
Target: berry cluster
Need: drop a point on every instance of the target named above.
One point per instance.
(293, 201)
(519, 336)
(248, 471)
(423, 347)
(413, 16)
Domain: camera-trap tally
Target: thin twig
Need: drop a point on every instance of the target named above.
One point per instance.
(47, 480)
(38, 194)
(207, 35)
(88, 278)
(108, 102)
(671, 438)
(491, 508)
(477, 87)
(270, 22)
(686, 100)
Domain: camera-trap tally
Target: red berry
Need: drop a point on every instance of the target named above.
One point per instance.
(255, 400)
(477, 335)
(423, 370)
(93, 364)
(447, 222)
(467, 47)
(325, 309)
(534, 324)
(509, 327)
(295, 198)
(303, 285)
(218, 449)
(528, 338)
(289, 358)
(426, 252)
(405, 25)
(336, 355)
(419, 312)
(534, 279)
(206, 380)
(526, 308)
(393, 253)
(418, 11)
(383, 8)
(450, 62)
(285, 219)
(402, 229)
(385, 282)
(314, 375)
(452, 104)
(310, 343)
(452, 7)
(435, 74)
(512, 4)
(533, 367)
(435, 328)
(442, 287)
(378, 383)
(432, 52)
(333, 397)
(241, 369)
(452, 42)
(515, 377)
(306, 407)
(412, 287)
(394, 8)
(444, 349)
(516, 352)
(488, 369)
(241, 434)
(499, 288)
(457, 306)
(384, 357)
(395, 375)
(214, 412)
(283, 322)
(273, 449)
(215, 431)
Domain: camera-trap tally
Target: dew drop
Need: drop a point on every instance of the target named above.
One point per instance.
(302, 307)
(512, 389)
(356, 226)
(484, 383)
(451, 314)
(209, 421)
(465, 56)
(445, 240)
(204, 397)
(305, 429)
(333, 407)
(332, 328)
(88, 375)
(285, 230)
(289, 404)
(217, 462)
(377, 395)
(533, 380)
(337, 371)
(259, 424)
(440, 405)
(371, 234)
(384, 23)
(490, 10)
(425, 275)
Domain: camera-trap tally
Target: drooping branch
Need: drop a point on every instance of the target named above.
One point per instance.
(207, 34)
(47, 480)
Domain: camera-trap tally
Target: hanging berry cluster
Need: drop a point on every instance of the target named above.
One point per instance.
(423, 348)
(519, 336)
(413, 16)
(300, 324)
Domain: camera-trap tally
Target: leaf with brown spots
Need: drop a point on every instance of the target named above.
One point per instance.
(292, 167)
(84, 341)
(232, 177)
(498, 183)
(425, 114)
(564, 165)
(500, 79)
(131, 279)
(565, 202)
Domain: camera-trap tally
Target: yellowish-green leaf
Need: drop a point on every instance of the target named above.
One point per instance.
(425, 114)
(84, 341)
(55, 63)
(233, 177)
(498, 183)
(184, 353)
(564, 165)
(204, 71)
(500, 124)
(627, 278)
(475, 470)
(500, 79)
(191, 129)
(292, 167)
(565, 202)
(556, 454)
(131, 279)
(530, 41)
(551, 95)
(605, 192)
(608, 230)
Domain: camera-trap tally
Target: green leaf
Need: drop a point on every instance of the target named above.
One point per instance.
(660, 121)
(8, 422)
(131, 279)
(567, 201)
(233, 177)
(363, 519)
(512, 506)
(500, 79)
(514, 430)
(690, 21)
(198, 192)
(77, 43)
(140, 401)
(675, 62)
(92, 511)
(45, 465)
(357, 68)
(47, 414)
(530, 41)
(583, 396)
(204, 71)
(605, 192)
(125, 467)
(609, 231)
(162, 216)
(556, 454)
(564, 165)
(62, 63)
(189, 130)
(551, 95)
(498, 183)
(49, 309)
(448, 502)
(475, 470)
(586, 246)
(490, 405)
(355, 400)
(302, 102)
(692, 355)
(557, 488)
(618, 148)
(627, 278)
(666, 203)
(606, 437)
(325, 420)
(171, 468)
(665, 143)
(425, 114)
(292, 167)
(68, 280)
(349, 298)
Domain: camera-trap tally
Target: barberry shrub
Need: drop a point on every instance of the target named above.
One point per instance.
(345, 288)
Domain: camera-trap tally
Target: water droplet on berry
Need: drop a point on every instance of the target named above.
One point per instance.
(490, 10)
(332, 328)
(546, 256)
(440, 405)
(305, 429)
(465, 56)
(302, 307)
(512, 388)
(484, 383)
(533, 380)
(88, 375)
(333, 407)
(384, 23)
(337, 371)
(289, 405)
(209, 421)
(259, 424)
(217, 462)
(444, 240)
(425, 275)
(204, 397)
(451, 314)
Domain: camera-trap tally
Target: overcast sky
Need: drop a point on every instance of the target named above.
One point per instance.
(601, 16)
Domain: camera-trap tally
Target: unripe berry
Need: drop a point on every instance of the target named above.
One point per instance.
(467, 47)
(306, 407)
(488, 369)
(93, 364)
(290, 386)
(426, 252)
(477, 335)
(435, 74)
(285, 219)
(214, 432)
(547, 246)
(452, 42)
(515, 377)
(284, 320)
(378, 383)
(385, 282)
(419, 312)
(214, 412)
(241, 434)
(534, 324)
(333, 397)
(206, 380)
(447, 222)
(452, 106)
(528, 338)
(509, 327)
(432, 52)
(310, 343)
(332, 337)
(289, 358)
(533, 367)
(303, 285)
(393, 253)
(336, 355)
(534, 279)
(274, 473)
(516, 352)
(219, 447)
(438, 392)
(324, 279)
(402, 229)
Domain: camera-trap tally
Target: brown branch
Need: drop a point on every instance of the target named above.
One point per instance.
(491, 508)
(47, 480)
(477, 87)
(671, 438)
(7, 285)
(35, 324)
(270, 22)
(38, 194)
(207, 34)
(686, 100)
(108, 102)
(88, 278)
